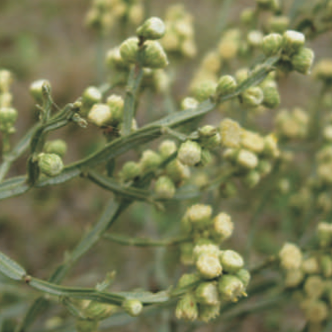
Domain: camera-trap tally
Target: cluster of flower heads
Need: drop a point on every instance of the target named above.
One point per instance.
(310, 276)
(251, 153)
(220, 276)
(103, 14)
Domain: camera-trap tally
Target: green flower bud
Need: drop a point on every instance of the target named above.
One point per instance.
(316, 311)
(199, 215)
(231, 133)
(323, 70)
(189, 102)
(130, 171)
(314, 286)
(231, 288)
(209, 137)
(98, 311)
(177, 171)
(132, 307)
(278, 24)
(248, 15)
(36, 89)
(326, 265)
(8, 117)
(264, 167)
(116, 104)
(186, 307)
(86, 325)
(324, 232)
(205, 246)
(252, 97)
(154, 55)
(247, 159)
(90, 96)
(189, 153)
(152, 28)
(129, 50)
(231, 261)
(114, 59)
(6, 99)
(303, 60)
(271, 146)
(208, 312)
(164, 187)
(271, 44)
(57, 146)
(226, 85)
(6, 80)
(203, 89)
(292, 41)
(271, 97)
(244, 276)
(290, 256)
(50, 164)
(100, 115)
(206, 157)
(251, 179)
(208, 265)
(222, 226)
(293, 278)
(150, 161)
(167, 148)
(241, 75)
(207, 293)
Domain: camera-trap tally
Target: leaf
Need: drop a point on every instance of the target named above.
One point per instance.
(147, 297)
(10, 268)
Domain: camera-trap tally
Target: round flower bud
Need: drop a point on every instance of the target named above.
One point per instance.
(164, 187)
(203, 89)
(290, 256)
(314, 286)
(316, 311)
(6, 79)
(132, 307)
(114, 59)
(248, 16)
(189, 102)
(303, 60)
(8, 116)
(231, 261)
(154, 55)
(323, 70)
(271, 146)
(293, 278)
(207, 293)
(310, 265)
(206, 157)
(327, 133)
(244, 276)
(252, 141)
(190, 153)
(199, 215)
(264, 167)
(252, 178)
(6, 99)
(152, 28)
(177, 171)
(247, 159)
(50, 164)
(205, 246)
(324, 231)
(252, 97)
(209, 137)
(254, 38)
(231, 133)
(241, 75)
(36, 89)
(129, 50)
(271, 97)
(222, 226)
(116, 104)
(208, 312)
(226, 85)
(130, 171)
(100, 115)
(167, 148)
(268, 4)
(150, 161)
(57, 146)
(326, 265)
(278, 24)
(186, 307)
(90, 96)
(231, 288)
(208, 265)
(292, 41)
(99, 311)
(271, 44)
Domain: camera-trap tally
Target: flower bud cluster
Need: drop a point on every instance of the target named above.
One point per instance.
(179, 39)
(249, 152)
(310, 275)
(103, 14)
(220, 275)
(292, 124)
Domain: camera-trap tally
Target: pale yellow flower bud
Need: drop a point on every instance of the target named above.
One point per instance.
(290, 256)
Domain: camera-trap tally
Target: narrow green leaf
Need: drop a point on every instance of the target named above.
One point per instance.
(10, 268)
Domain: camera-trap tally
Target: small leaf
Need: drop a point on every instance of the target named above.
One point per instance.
(10, 268)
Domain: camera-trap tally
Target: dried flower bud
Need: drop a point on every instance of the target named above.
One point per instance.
(222, 226)
(292, 41)
(231, 261)
(290, 256)
(231, 133)
(36, 89)
(207, 293)
(252, 97)
(302, 61)
(132, 307)
(8, 117)
(116, 104)
(90, 96)
(231, 288)
(129, 50)
(164, 187)
(57, 146)
(226, 85)
(152, 28)
(186, 307)
(100, 115)
(208, 265)
(190, 153)
(247, 159)
(50, 164)
(130, 171)
(271, 44)
(189, 102)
